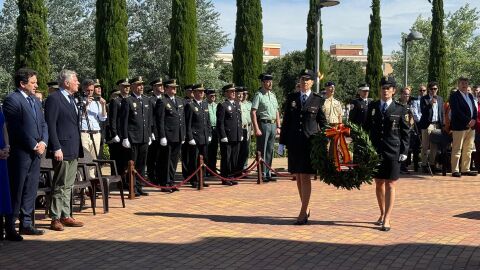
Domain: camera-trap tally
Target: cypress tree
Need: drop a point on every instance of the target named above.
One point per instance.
(248, 45)
(374, 65)
(310, 52)
(31, 49)
(183, 32)
(111, 36)
(437, 64)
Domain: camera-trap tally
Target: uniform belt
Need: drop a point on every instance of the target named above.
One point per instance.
(268, 121)
(90, 131)
(245, 126)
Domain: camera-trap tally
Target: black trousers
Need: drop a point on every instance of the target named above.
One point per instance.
(244, 151)
(138, 153)
(169, 167)
(24, 172)
(185, 159)
(229, 162)
(194, 152)
(120, 154)
(152, 158)
(212, 150)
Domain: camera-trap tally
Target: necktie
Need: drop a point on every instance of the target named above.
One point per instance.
(304, 100)
(32, 105)
(72, 103)
(384, 108)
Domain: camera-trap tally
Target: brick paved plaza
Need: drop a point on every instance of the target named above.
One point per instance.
(435, 225)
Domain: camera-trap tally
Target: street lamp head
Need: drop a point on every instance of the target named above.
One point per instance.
(327, 3)
(414, 35)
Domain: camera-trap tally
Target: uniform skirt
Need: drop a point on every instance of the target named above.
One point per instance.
(299, 160)
(388, 169)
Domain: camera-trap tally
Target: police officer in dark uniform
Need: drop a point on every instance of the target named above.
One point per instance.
(185, 149)
(303, 115)
(117, 151)
(389, 132)
(154, 148)
(229, 128)
(170, 121)
(198, 129)
(137, 128)
(358, 114)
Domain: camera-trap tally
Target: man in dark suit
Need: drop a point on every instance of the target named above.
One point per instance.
(117, 151)
(136, 131)
(198, 130)
(462, 124)
(358, 114)
(229, 128)
(170, 121)
(64, 147)
(431, 107)
(28, 135)
(155, 147)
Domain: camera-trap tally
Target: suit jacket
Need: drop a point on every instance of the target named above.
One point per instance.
(136, 119)
(298, 120)
(390, 132)
(114, 119)
(63, 127)
(170, 119)
(25, 129)
(427, 112)
(198, 124)
(153, 104)
(358, 115)
(229, 121)
(460, 111)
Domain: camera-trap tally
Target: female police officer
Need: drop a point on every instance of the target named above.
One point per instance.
(389, 132)
(302, 118)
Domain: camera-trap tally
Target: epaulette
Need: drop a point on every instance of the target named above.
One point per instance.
(398, 103)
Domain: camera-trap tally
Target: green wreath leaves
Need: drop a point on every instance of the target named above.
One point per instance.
(364, 156)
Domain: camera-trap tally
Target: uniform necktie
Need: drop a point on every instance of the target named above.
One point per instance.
(304, 99)
(384, 108)
(32, 105)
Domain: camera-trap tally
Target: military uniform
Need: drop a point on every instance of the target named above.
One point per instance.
(213, 144)
(185, 151)
(198, 128)
(358, 114)
(155, 148)
(229, 125)
(300, 123)
(136, 113)
(246, 108)
(332, 108)
(170, 121)
(389, 133)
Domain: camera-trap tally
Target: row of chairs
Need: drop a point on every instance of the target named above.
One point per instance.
(95, 183)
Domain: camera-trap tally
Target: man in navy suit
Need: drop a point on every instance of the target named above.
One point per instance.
(64, 147)
(28, 135)
(462, 124)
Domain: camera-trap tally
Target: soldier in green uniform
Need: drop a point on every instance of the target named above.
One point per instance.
(245, 107)
(266, 121)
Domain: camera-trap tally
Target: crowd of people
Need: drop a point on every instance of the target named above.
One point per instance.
(159, 129)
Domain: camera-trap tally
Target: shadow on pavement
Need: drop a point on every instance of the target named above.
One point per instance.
(470, 215)
(233, 253)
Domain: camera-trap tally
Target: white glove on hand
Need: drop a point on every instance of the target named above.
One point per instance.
(116, 139)
(183, 142)
(209, 139)
(281, 149)
(149, 141)
(192, 142)
(126, 143)
(224, 139)
(402, 158)
(241, 139)
(163, 141)
(153, 137)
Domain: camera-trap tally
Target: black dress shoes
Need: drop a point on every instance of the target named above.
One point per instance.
(470, 173)
(385, 229)
(174, 189)
(13, 236)
(300, 222)
(227, 183)
(234, 182)
(456, 174)
(31, 231)
(143, 193)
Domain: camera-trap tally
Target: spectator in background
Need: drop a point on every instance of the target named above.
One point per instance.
(476, 91)
(358, 114)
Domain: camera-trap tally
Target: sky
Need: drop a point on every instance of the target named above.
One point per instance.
(284, 21)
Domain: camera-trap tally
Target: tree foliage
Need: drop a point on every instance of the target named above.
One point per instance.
(247, 52)
(374, 65)
(111, 54)
(462, 46)
(31, 49)
(310, 51)
(437, 63)
(8, 36)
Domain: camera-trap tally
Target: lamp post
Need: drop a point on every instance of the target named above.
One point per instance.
(320, 4)
(414, 35)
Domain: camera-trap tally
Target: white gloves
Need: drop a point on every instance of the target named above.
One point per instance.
(183, 142)
(116, 139)
(163, 141)
(149, 141)
(153, 137)
(281, 149)
(192, 142)
(241, 139)
(126, 143)
(209, 139)
(224, 139)
(402, 158)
